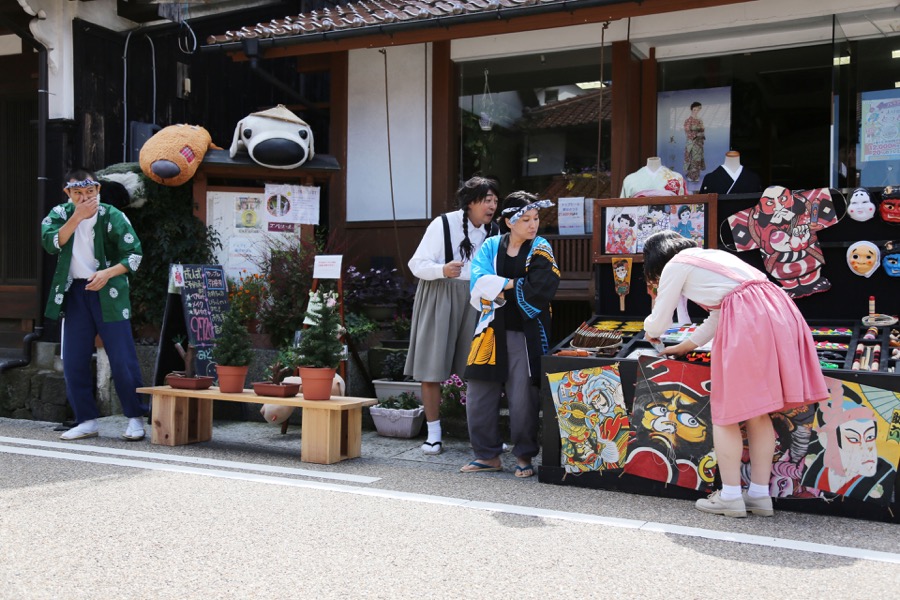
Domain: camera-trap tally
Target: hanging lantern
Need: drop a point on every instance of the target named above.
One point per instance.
(486, 118)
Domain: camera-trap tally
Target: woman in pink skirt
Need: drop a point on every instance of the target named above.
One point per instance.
(763, 357)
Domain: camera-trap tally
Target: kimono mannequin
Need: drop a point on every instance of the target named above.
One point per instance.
(654, 180)
(731, 178)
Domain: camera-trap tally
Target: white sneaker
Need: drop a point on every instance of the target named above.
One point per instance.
(715, 505)
(759, 506)
(135, 430)
(88, 429)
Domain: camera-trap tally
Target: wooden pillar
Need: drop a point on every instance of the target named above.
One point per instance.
(444, 127)
(626, 114)
(649, 91)
(337, 143)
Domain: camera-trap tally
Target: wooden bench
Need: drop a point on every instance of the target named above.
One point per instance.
(331, 430)
(573, 257)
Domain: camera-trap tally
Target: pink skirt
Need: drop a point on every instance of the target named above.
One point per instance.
(764, 357)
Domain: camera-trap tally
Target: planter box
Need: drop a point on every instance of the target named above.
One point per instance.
(395, 422)
(385, 388)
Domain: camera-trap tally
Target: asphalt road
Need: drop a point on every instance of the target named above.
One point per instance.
(242, 517)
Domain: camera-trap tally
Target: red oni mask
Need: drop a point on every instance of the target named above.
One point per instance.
(889, 209)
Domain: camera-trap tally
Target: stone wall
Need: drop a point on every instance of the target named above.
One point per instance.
(38, 391)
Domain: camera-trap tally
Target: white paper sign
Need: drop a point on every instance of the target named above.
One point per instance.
(571, 216)
(327, 266)
(290, 205)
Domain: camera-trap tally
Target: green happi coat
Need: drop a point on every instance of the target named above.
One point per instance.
(115, 241)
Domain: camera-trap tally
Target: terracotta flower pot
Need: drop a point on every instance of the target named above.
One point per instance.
(179, 381)
(276, 390)
(317, 382)
(231, 379)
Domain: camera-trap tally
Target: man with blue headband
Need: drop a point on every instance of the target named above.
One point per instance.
(97, 249)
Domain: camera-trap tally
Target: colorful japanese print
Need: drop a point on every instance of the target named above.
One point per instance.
(856, 443)
(784, 226)
(672, 424)
(793, 432)
(592, 418)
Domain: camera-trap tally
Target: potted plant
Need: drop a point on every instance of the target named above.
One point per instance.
(285, 364)
(320, 346)
(453, 398)
(286, 267)
(248, 294)
(400, 329)
(374, 292)
(233, 353)
(187, 379)
(392, 381)
(398, 416)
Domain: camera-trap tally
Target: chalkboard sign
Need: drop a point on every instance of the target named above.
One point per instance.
(195, 309)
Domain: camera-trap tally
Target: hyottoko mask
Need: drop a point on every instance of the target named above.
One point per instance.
(890, 259)
(860, 208)
(863, 258)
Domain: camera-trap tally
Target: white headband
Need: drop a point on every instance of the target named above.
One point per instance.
(514, 214)
(81, 184)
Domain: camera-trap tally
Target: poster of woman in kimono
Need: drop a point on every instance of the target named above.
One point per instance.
(692, 125)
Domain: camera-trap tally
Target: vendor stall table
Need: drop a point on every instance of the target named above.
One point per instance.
(834, 318)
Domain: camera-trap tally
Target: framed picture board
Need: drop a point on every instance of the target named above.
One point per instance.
(622, 224)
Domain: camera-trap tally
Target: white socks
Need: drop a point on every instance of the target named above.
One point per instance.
(433, 444)
(730, 492)
(82, 430)
(434, 431)
(758, 491)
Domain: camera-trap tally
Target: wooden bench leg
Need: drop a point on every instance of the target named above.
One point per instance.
(179, 421)
(320, 437)
(351, 438)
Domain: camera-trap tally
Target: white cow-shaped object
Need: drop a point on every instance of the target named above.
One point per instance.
(274, 138)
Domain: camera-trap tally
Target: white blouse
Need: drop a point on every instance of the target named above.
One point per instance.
(428, 260)
(699, 285)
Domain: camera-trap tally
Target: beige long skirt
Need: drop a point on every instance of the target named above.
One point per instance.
(443, 322)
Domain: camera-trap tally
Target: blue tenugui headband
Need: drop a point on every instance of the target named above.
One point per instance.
(81, 184)
(513, 214)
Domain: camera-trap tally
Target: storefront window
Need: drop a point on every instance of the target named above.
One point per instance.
(867, 113)
(532, 122)
(780, 111)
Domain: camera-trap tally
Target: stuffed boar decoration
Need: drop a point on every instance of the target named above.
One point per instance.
(274, 138)
(889, 209)
(172, 155)
(784, 226)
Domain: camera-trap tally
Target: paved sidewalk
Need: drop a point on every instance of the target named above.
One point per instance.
(254, 441)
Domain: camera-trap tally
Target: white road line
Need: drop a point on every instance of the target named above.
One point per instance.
(650, 526)
(225, 464)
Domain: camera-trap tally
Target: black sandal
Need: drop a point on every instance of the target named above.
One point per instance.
(430, 451)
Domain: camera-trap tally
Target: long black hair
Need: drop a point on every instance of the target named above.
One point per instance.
(475, 189)
(660, 248)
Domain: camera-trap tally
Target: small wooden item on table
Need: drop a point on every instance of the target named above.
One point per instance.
(622, 276)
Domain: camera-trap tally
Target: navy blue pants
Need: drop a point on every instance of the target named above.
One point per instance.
(84, 320)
